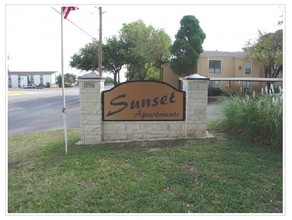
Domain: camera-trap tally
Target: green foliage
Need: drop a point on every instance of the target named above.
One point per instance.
(267, 50)
(87, 58)
(70, 79)
(108, 81)
(138, 45)
(114, 57)
(187, 46)
(153, 73)
(259, 119)
(146, 47)
(143, 72)
(115, 53)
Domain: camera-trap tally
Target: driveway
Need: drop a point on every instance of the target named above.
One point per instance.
(214, 109)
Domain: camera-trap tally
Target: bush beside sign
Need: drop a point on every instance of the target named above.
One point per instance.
(143, 101)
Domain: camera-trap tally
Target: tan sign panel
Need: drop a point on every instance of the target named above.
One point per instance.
(143, 101)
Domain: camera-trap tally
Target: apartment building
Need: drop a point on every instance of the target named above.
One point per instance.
(220, 65)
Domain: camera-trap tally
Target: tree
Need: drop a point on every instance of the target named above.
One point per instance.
(153, 73)
(146, 46)
(69, 79)
(187, 46)
(108, 81)
(138, 45)
(150, 72)
(87, 57)
(267, 50)
(114, 57)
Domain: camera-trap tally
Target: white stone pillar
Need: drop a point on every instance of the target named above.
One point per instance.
(90, 88)
(196, 88)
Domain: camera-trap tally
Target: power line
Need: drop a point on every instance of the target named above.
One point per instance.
(93, 38)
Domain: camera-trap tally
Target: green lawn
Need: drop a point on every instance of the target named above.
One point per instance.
(216, 175)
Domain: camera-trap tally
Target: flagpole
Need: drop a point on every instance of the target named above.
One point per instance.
(63, 85)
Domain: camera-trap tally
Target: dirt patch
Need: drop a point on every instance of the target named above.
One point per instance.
(218, 137)
(13, 164)
(192, 169)
(154, 149)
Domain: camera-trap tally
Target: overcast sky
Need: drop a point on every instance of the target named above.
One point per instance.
(33, 31)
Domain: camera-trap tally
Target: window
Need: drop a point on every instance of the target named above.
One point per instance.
(247, 67)
(214, 66)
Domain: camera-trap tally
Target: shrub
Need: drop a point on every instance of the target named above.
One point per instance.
(258, 118)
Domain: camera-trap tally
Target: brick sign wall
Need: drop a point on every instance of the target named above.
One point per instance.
(142, 110)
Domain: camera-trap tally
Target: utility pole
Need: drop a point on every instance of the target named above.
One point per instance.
(100, 43)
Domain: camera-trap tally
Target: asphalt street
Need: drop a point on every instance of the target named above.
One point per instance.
(42, 110)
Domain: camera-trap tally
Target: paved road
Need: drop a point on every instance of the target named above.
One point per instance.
(214, 110)
(41, 110)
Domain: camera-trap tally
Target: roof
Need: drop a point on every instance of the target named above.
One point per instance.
(222, 54)
(25, 73)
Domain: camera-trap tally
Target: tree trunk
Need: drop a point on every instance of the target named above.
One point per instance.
(268, 75)
(115, 79)
(277, 71)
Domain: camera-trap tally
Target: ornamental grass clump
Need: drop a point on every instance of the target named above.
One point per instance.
(258, 118)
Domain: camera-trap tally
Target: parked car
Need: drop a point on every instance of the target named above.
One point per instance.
(29, 86)
(41, 86)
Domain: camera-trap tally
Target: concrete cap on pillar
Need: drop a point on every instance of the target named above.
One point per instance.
(196, 76)
(90, 76)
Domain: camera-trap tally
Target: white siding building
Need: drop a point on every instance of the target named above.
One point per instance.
(17, 79)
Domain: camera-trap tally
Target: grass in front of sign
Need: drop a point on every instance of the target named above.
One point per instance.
(216, 175)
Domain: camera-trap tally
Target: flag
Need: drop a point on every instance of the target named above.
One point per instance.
(66, 10)
(64, 14)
